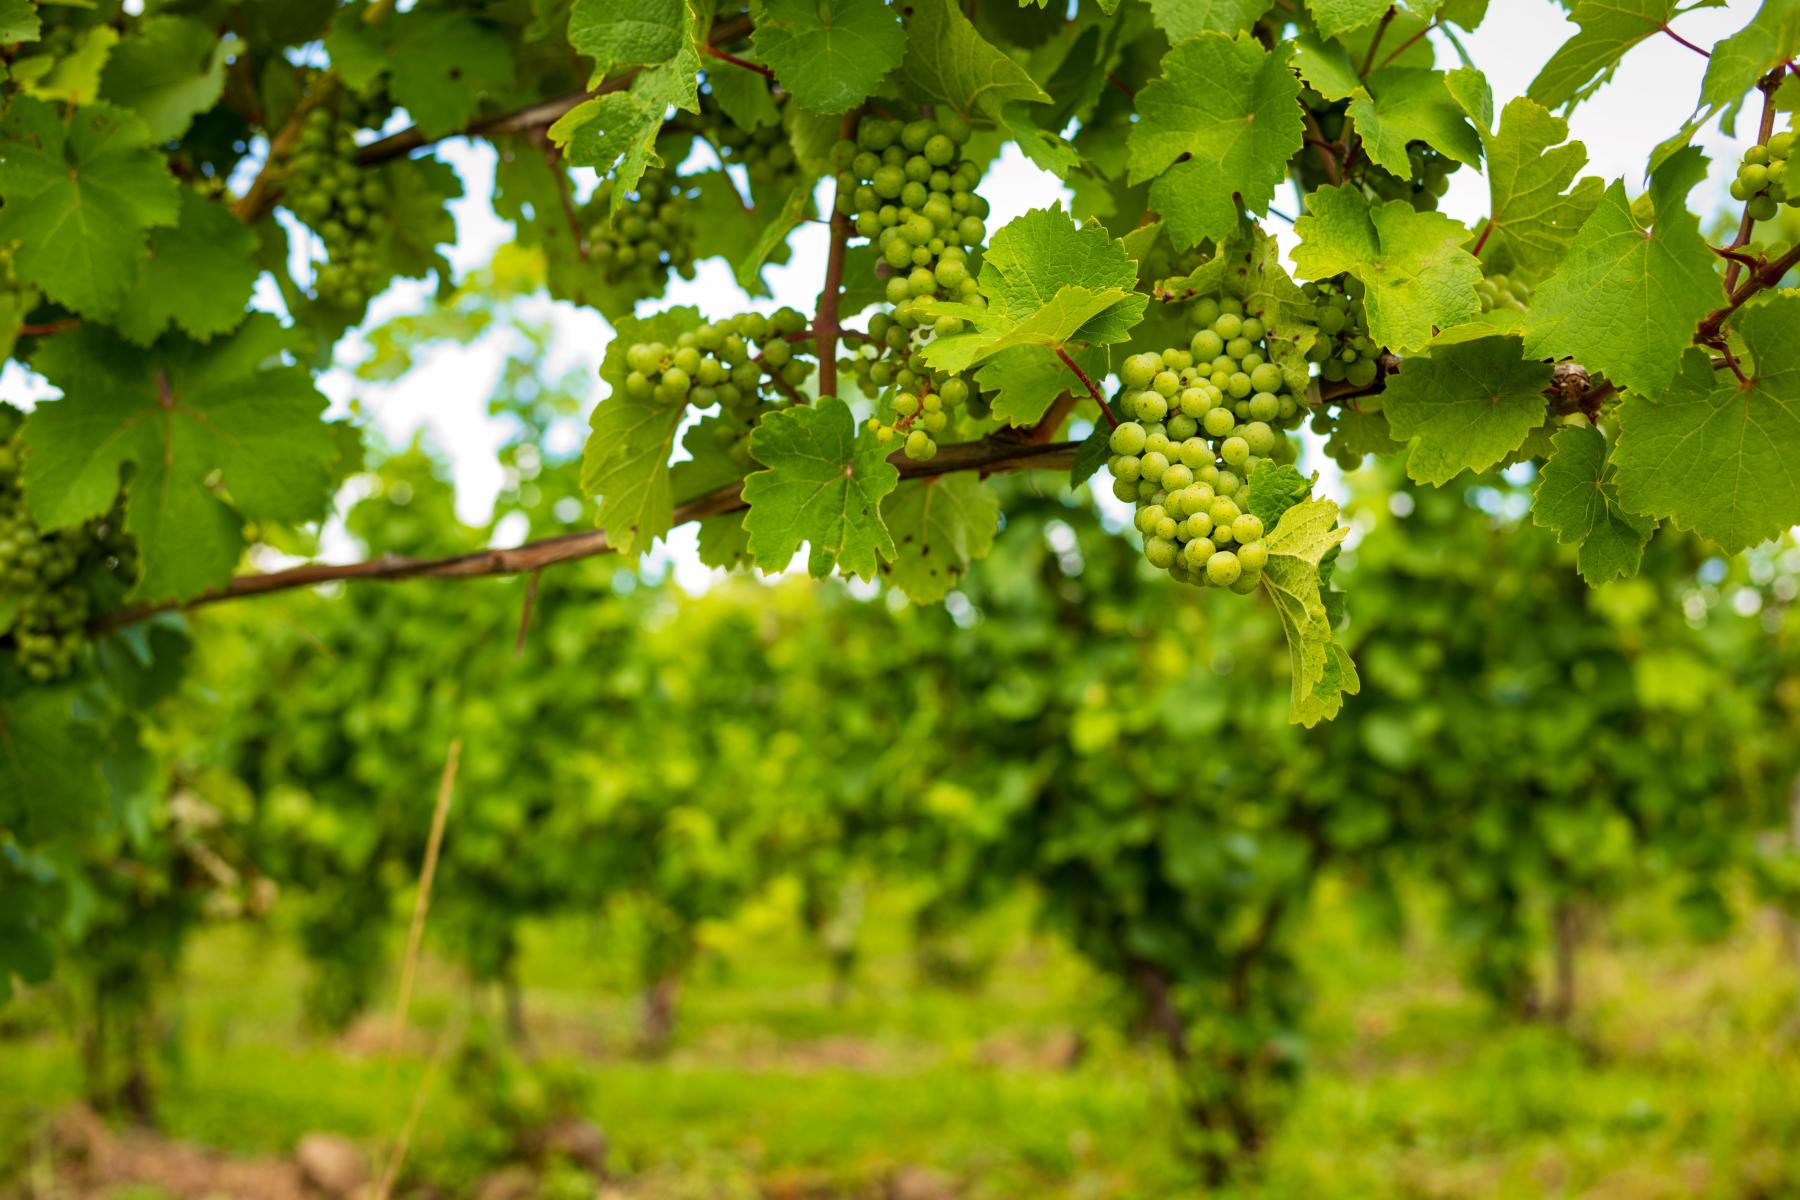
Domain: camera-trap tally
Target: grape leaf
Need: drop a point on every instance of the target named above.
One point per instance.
(1626, 298)
(1770, 39)
(72, 78)
(1609, 29)
(169, 71)
(1326, 67)
(1182, 19)
(626, 463)
(723, 542)
(1322, 671)
(1232, 109)
(1576, 496)
(625, 33)
(1275, 488)
(1466, 407)
(199, 275)
(18, 22)
(49, 773)
(1248, 265)
(1719, 457)
(1336, 17)
(1405, 104)
(184, 414)
(1024, 381)
(614, 134)
(443, 62)
(948, 62)
(831, 55)
(939, 525)
(743, 97)
(1049, 286)
(1412, 263)
(81, 197)
(824, 486)
(1532, 217)
(1092, 454)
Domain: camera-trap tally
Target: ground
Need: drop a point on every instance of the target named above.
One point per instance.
(1679, 1077)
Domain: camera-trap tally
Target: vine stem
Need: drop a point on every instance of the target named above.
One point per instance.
(256, 203)
(1092, 391)
(1408, 44)
(991, 456)
(1387, 18)
(713, 51)
(47, 328)
(1765, 277)
(1696, 49)
(1481, 241)
(1768, 85)
(825, 318)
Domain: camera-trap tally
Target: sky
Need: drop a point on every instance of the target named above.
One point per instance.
(1653, 92)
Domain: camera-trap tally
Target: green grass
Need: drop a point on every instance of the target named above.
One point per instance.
(1679, 1077)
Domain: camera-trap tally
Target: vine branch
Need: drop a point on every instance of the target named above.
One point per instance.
(1768, 85)
(990, 457)
(1092, 391)
(825, 319)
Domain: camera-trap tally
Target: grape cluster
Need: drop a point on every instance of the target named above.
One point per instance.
(41, 578)
(923, 400)
(652, 237)
(730, 363)
(1762, 177)
(340, 201)
(765, 153)
(1343, 349)
(1429, 183)
(1502, 292)
(1203, 419)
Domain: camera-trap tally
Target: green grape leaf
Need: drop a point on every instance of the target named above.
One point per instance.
(1415, 270)
(1609, 29)
(1626, 298)
(1275, 488)
(1770, 39)
(940, 525)
(1406, 104)
(73, 78)
(831, 55)
(823, 485)
(169, 71)
(199, 275)
(743, 97)
(1361, 432)
(1044, 148)
(18, 22)
(626, 463)
(615, 134)
(1336, 17)
(359, 53)
(184, 415)
(1466, 407)
(1532, 215)
(948, 62)
(626, 33)
(49, 764)
(1576, 496)
(1182, 19)
(1050, 286)
(723, 541)
(1229, 111)
(81, 197)
(1322, 671)
(1326, 67)
(1716, 456)
(1092, 454)
(443, 62)
(1025, 382)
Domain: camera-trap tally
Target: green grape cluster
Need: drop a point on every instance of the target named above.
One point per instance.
(924, 401)
(651, 238)
(1343, 350)
(1201, 420)
(908, 189)
(1762, 178)
(1430, 180)
(765, 153)
(340, 201)
(44, 606)
(1502, 292)
(729, 363)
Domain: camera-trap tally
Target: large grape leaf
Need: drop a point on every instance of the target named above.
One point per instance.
(169, 71)
(1576, 495)
(1626, 298)
(81, 197)
(443, 63)
(939, 525)
(49, 764)
(1716, 456)
(948, 62)
(830, 54)
(199, 275)
(1609, 29)
(1229, 111)
(624, 33)
(18, 22)
(1322, 670)
(1049, 286)
(1412, 263)
(1532, 213)
(71, 77)
(615, 134)
(1466, 407)
(1406, 104)
(1023, 382)
(626, 463)
(190, 419)
(1770, 39)
(1185, 18)
(823, 485)
(1334, 17)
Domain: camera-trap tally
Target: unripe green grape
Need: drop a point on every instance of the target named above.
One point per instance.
(919, 445)
(1125, 489)
(1223, 511)
(1234, 450)
(1152, 466)
(1218, 422)
(1160, 551)
(1253, 554)
(1222, 568)
(1175, 475)
(1150, 406)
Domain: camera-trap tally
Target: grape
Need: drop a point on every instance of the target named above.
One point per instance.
(1501, 292)
(328, 190)
(649, 240)
(733, 363)
(765, 153)
(1762, 178)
